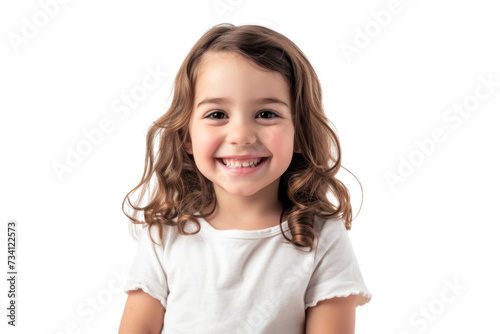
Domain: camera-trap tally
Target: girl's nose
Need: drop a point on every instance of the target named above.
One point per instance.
(241, 133)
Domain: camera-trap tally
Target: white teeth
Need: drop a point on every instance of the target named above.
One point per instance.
(232, 163)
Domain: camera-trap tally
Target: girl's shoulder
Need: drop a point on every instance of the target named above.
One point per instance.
(157, 233)
(332, 233)
(328, 225)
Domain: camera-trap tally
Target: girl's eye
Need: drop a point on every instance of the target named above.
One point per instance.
(267, 114)
(216, 115)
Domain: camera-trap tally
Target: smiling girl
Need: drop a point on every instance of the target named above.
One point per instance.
(239, 235)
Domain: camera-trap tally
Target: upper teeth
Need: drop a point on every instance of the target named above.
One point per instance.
(232, 163)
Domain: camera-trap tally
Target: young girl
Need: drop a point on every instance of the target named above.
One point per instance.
(241, 235)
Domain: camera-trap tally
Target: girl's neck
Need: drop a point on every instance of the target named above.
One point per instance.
(246, 212)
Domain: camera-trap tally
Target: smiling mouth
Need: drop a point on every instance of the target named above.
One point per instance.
(245, 163)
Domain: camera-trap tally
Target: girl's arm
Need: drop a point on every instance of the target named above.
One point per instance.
(332, 316)
(143, 314)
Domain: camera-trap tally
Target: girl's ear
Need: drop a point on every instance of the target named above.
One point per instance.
(188, 146)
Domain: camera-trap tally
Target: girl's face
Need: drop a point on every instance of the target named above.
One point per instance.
(241, 133)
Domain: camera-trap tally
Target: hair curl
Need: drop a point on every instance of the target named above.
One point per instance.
(182, 192)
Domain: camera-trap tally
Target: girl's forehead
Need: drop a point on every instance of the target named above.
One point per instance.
(214, 59)
(215, 67)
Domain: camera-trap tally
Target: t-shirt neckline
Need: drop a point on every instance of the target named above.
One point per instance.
(245, 234)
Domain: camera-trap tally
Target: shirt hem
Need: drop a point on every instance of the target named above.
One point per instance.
(146, 289)
(365, 297)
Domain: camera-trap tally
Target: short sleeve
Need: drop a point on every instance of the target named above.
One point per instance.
(336, 271)
(147, 271)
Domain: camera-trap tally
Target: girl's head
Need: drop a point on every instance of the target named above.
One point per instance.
(241, 131)
(301, 137)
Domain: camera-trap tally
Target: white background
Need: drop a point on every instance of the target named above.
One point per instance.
(438, 224)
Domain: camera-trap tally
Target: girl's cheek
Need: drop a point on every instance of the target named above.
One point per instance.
(208, 139)
(279, 139)
(273, 135)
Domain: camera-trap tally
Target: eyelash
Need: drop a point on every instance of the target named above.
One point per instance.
(275, 115)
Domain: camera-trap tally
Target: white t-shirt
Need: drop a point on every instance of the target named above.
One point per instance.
(242, 281)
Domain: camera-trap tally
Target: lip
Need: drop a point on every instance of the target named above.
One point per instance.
(243, 171)
(242, 157)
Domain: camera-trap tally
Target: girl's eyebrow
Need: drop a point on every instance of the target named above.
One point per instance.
(222, 100)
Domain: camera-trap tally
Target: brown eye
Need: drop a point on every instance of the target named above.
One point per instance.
(267, 114)
(216, 115)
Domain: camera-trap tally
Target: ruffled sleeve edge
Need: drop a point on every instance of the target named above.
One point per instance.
(364, 297)
(146, 289)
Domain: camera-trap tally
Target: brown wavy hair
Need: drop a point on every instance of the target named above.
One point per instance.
(182, 193)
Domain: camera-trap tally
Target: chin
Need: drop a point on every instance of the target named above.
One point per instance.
(241, 193)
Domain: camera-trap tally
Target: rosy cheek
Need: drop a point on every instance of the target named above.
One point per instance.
(207, 140)
(271, 136)
(205, 137)
(279, 140)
